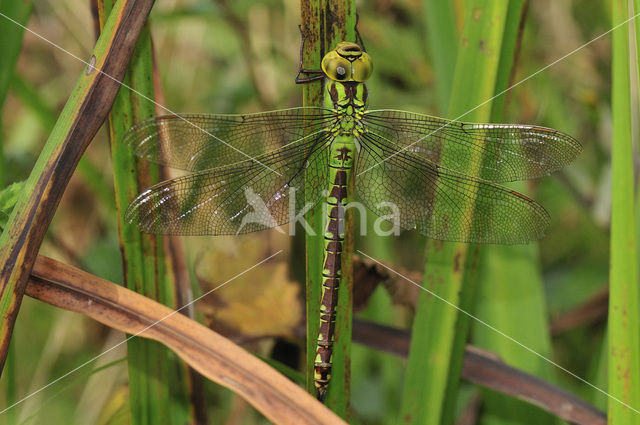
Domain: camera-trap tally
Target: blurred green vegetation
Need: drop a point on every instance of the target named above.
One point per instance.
(242, 56)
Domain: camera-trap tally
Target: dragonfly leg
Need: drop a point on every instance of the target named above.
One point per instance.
(304, 80)
(359, 39)
(319, 73)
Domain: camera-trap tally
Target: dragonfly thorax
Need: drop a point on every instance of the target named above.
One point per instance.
(348, 100)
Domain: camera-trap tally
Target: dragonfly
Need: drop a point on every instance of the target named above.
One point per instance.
(251, 172)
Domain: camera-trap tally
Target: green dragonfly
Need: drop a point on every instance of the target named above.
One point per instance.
(255, 171)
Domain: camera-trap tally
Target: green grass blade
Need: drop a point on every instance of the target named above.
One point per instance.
(508, 55)
(337, 20)
(78, 122)
(598, 375)
(623, 326)
(442, 38)
(157, 380)
(9, 390)
(636, 9)
(439, 330)
(511, 297)
(510, 286)
(481, 37)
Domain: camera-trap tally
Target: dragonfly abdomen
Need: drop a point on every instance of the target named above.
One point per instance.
(348, 100)
(340, 165)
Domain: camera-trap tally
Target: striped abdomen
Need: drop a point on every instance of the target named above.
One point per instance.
(340, 166)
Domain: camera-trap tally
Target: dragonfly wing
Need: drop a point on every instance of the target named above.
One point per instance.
(239, 198)
(440, 203)
(509, 151)
(196, 142)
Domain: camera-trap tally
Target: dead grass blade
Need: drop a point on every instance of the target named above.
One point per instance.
(214, 356)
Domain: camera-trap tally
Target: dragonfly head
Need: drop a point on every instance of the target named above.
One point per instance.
(347, 62)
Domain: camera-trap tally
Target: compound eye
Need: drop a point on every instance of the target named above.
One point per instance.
(336, 67)
(362, 68)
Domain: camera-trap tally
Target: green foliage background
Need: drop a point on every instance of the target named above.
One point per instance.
(241, 56)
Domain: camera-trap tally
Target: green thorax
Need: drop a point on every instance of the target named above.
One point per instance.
(348, 100)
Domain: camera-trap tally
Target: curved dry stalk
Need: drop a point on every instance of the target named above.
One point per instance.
(214, 356)
(276, 397)
(480, 367)
(484, 368)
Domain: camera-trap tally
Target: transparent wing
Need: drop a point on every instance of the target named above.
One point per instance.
(438, 202)
(238, 198)
(196, 142)
(510, 151)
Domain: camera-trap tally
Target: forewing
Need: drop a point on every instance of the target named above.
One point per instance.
(238, 198)
(196, 142)
(509, 151)
(439, 203)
